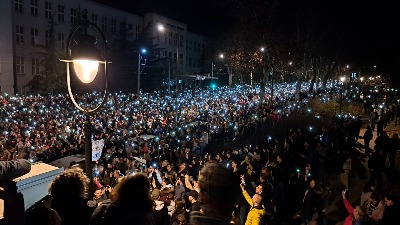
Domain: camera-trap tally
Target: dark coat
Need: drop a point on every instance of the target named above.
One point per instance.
(110, 214)
(199, 218)
(72, 211)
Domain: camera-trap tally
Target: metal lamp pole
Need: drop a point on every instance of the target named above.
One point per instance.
(212, 72)
(85, 58)
(169, 76)
(162, 28)
(342, 79)
(138, 75)
(139, 69)
(176, 78)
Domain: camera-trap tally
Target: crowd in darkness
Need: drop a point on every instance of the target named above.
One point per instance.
(156, 161)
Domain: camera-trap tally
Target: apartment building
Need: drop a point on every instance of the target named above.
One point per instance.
(25, 33)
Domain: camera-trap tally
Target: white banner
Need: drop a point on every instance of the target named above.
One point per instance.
(97, 148)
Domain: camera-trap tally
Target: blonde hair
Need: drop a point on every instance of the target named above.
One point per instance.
(362, 212)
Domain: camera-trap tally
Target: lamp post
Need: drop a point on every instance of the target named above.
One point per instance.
(169, 76)
(85, 58)
(341, 95)
(138, 70)
(221, 56)
(360, 86)
(161, 28)
(262, 82)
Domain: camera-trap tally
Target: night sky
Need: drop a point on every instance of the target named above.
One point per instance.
(367, 32)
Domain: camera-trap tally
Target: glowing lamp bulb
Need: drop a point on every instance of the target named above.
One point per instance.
(86, 70)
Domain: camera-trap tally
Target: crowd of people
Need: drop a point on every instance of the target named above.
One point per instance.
(156, 161)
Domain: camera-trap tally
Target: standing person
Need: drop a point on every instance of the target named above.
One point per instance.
(309, 201)
(130, 203)
(217, 193)
(367, 136)
(395, 145)
(375, 208)
(69, 192)
(356, 215)
(13, 169)
(376, 164)
(392, 210)
(323, 202)
(13, 203)
(193, 200)
(257, 210)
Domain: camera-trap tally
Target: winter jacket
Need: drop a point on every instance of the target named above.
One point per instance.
(255, 215)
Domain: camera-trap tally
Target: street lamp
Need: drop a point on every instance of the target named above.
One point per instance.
(138, 70)
(84, 57)
(161, 28)
(221, 56)
(360, 86)
(342, 79)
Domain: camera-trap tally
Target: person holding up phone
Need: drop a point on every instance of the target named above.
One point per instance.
(357, 215)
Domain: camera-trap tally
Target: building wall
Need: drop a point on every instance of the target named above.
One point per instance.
(13, 18)
(6, 47)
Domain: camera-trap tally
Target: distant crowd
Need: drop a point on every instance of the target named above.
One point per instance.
(156, 163)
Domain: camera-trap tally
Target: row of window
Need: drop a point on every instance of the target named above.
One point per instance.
(19, 36)
(48, 10)
(20, 65)
(169, 37)
(48, 14)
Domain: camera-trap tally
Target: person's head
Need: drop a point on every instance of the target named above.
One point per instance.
(169, 167)
(217, 188)
(263, 177)
(70, 184)
(359, 212)
(374, 198)
(390, 199)
(155, 194)
(98, 193)
(192, 195)
(133, 192)
(234, 163)
(257, 199)
(181, 219)
(259, 189)
(312, 183)
(180, 205)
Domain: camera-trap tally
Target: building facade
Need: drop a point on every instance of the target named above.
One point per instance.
(26, 30)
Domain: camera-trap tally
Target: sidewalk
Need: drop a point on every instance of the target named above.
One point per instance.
(336, 211)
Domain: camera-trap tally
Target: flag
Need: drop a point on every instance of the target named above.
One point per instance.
(97, 148)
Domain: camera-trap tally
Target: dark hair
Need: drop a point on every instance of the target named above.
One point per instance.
(133, 192)
(217, 188)
(71, 183)
(375, 196)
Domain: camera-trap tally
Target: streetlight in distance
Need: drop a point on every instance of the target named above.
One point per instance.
(342, 79)
(161, 28)
(213, 86)
(85, 58)
(143, 51)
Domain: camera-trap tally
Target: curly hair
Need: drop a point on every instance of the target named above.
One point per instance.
(72, 183)
(217, 187)
(133, 192)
